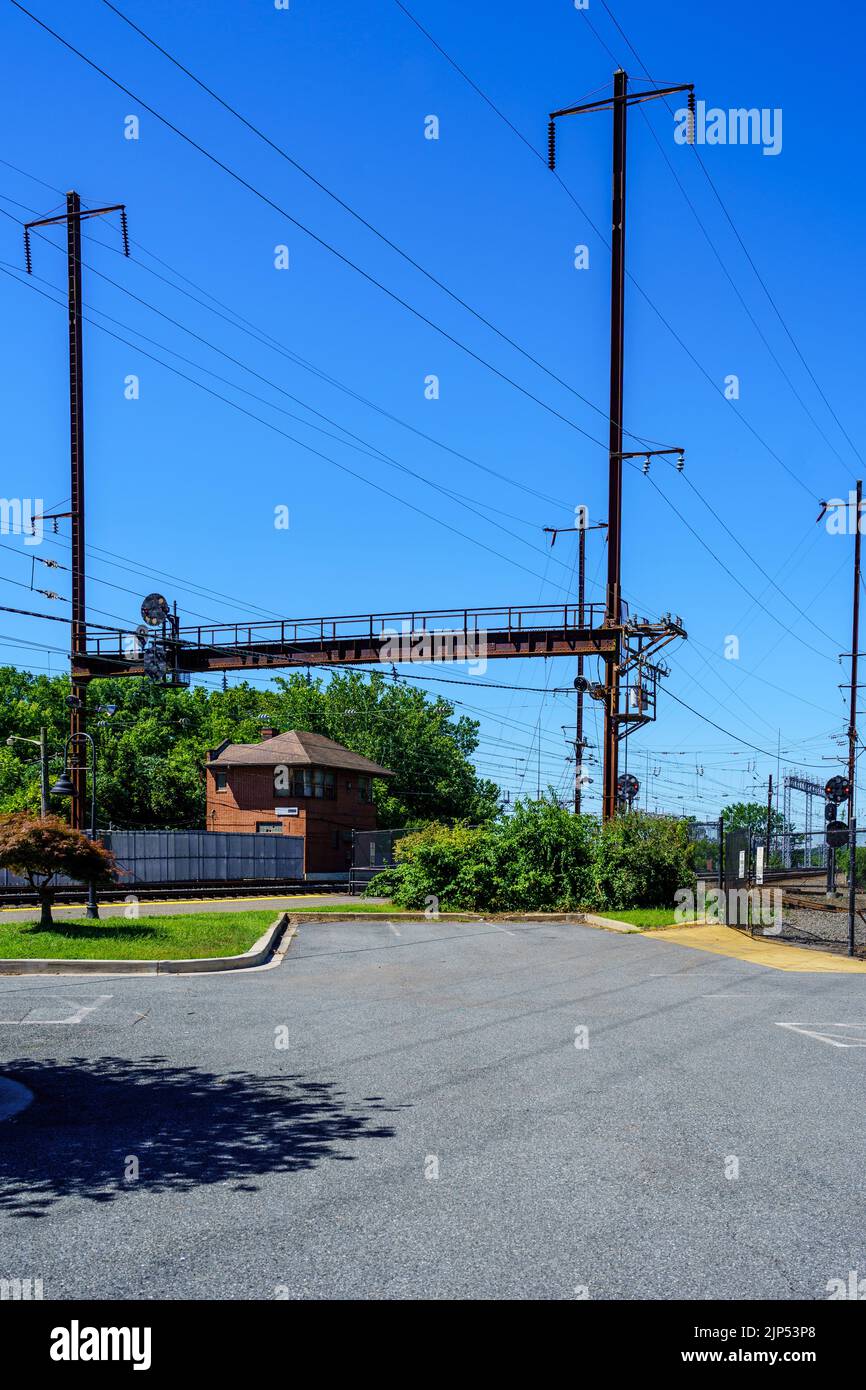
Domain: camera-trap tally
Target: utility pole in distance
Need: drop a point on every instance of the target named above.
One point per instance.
(580, 683)
(618, 103)
(73, 217)
(769, 818)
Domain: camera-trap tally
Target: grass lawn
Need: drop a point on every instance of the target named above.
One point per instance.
(191, 935)
(647, 917)
(343, 908)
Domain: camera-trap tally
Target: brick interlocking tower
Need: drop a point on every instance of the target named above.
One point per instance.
(294, 784)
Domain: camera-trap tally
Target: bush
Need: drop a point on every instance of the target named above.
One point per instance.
(450, 864)
(641, 861)
(541, 859)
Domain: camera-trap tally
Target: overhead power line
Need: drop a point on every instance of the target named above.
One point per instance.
(761, 281)
(542, 158)
(706, 720)
(260, 134)
(378, 453)
(314, 236)
(359, 477)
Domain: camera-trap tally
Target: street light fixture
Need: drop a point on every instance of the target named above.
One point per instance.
(63, 786)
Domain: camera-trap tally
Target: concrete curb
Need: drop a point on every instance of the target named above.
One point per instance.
(258, 954)
(608, 924)
(569, 918)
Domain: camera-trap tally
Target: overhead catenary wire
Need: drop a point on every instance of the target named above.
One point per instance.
(379, 453)
(323, 187)
(542, 158)
(320, 241)
(291, 438)
(749, 257)
(743, 247)
(207, 389)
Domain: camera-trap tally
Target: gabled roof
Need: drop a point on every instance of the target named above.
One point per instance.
(296, 749)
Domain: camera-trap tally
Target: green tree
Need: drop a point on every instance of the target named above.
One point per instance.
(151, 752)
(752, 815)
(41, 850)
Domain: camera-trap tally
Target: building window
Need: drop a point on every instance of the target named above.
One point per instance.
(221, 781)
(365, 788)
(324, 784)
(268, 827)
(293, 781)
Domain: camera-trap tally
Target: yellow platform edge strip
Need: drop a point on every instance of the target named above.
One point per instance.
(773, 955)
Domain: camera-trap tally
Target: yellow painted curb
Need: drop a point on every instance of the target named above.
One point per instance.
(774, 955)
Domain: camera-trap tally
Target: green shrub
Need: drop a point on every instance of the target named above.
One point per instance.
(641, 861)
(445, 863)
(541, 858)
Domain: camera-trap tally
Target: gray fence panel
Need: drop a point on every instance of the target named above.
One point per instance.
(192, 856)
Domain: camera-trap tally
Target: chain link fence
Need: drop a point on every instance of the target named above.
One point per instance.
(372, 851)
(705, 838)
(796, 888)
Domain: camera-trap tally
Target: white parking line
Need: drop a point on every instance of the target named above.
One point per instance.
(823, 1032)
(394, 929)
(80, 1012)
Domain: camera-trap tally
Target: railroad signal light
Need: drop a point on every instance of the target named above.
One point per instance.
(627, 787)
(837, 789)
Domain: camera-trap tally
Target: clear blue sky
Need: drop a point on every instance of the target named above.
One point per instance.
(183, 482)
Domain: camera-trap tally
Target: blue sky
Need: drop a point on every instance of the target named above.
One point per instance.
(182, 482)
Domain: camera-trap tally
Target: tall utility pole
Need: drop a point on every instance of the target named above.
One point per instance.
(578, 684)
(73, 218)
(852, 730)
(614, 486)
(618, 104)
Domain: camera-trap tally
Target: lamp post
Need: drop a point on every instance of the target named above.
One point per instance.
(42, 744)
(64, 787)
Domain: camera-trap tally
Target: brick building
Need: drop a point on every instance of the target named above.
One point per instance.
(294, 784)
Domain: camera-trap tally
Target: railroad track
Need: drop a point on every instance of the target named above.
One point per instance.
(153, 892)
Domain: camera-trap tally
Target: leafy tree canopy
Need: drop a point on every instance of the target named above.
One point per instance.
(752, 815)
(151, 752)
(40, 850)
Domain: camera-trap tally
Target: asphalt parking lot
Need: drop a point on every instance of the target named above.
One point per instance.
(437, 1111)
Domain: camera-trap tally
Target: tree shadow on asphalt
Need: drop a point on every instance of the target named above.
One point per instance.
(186, 1128)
